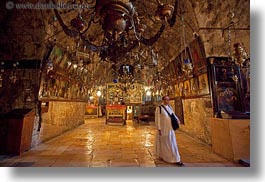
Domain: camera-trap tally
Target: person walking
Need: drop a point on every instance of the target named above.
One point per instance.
(166, 144)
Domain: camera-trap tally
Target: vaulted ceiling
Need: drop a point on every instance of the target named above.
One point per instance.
(26, 33)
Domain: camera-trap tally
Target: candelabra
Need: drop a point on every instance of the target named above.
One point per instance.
(125, 81)
(240, 55)
(187, 68)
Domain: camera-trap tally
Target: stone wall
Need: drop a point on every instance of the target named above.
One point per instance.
(197, 113)
(214, 20)
(20, 91)
(61, 117)
(22, 33)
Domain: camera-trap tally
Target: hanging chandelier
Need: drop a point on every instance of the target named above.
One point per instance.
(125, 80)
(121, 25)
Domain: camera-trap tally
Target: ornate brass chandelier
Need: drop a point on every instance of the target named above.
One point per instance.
(120, 22)
(125, 81)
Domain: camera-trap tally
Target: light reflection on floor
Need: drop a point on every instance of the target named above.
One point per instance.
(95, 144)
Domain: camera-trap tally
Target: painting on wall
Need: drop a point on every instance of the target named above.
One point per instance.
(177, 90)
(198, 56)
(181, 88)
(186, 87)
(63, 62)
(226, 88)
(194, 86)
(61, 80)
(177, 63)
(224, 73)
(203, 84)
(56, 55)
(228, 97)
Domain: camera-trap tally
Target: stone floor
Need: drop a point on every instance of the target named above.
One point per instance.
(95, 144)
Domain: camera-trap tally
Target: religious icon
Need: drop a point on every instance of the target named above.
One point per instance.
(186, 88)
(203, 84)
(194, 86)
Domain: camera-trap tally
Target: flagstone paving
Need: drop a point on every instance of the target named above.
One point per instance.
(95, 144)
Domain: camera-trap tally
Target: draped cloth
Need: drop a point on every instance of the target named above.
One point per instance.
(166, 145)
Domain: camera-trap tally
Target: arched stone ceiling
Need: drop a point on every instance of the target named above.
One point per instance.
(25, 33)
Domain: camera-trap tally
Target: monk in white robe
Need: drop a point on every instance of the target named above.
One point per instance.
(166, 144)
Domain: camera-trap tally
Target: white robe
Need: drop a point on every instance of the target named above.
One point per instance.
(166, 144)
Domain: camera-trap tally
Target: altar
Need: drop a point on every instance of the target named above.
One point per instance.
(116, 114)
(92, 111)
